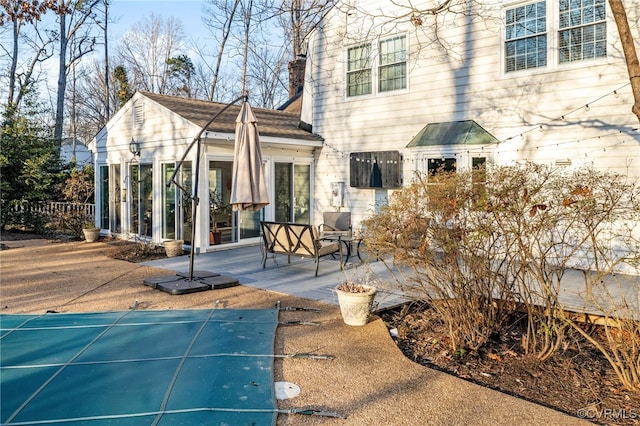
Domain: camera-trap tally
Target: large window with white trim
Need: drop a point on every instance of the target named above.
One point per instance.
(579, 31)
(526, 37)
(583, 30)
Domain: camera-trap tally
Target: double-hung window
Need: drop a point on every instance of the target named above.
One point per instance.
(582, 30)
(384, 62)
(359, 70)
(392, 71)
(526, 37)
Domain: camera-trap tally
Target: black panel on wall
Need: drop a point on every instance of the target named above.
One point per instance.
(380, 169)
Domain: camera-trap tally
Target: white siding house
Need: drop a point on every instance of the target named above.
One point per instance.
(136, 154)
(499, 81)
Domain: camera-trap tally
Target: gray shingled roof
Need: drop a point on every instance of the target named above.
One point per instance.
(270, 122)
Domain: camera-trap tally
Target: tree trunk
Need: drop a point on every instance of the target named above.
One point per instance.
(225, 36)
(247, 26)
(107, 106)
(62, 82)
(14, 65)
(629, 49)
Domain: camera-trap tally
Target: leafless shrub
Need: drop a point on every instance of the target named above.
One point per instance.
(479, 249)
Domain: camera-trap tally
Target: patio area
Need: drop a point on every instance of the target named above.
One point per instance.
(297, 278)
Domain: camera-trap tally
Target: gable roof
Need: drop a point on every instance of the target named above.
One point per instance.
(466, 132)
(270, 122)
(293, 104)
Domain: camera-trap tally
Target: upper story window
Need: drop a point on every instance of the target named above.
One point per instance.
(359, 70)
(393, 64)
(579, 31)
(526, 37)
(583, 30)
(384, 62)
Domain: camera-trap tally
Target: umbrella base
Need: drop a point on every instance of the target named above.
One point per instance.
(181, 284)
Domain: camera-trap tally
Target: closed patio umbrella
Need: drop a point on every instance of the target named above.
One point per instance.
(249, 186)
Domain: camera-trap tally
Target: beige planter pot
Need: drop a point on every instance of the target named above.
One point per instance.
(91, 234)
(173, 248)
(356, 307)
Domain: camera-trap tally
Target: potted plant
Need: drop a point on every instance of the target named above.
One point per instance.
(91, 232)
(218, 209)
(173, 248)
(356, 300)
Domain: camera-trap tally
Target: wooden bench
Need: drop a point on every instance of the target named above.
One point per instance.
(296, 239)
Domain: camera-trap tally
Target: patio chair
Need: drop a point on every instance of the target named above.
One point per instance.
(336, 224)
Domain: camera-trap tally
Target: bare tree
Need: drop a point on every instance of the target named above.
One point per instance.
(75, 33)
(220, 17)
(247, 11)
(146, 50)
(266, 71)
(104, 25)
(297, 18)
(629, 48)
(21, 13)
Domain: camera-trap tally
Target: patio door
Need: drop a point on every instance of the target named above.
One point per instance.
(176, 203)
(292, 192)
(222, 220)
(141, 217)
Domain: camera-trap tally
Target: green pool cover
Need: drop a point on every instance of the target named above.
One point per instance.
(191, 367)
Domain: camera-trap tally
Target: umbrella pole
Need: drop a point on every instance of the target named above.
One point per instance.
(195, 201)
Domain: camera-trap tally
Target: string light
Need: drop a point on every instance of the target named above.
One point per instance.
(563, 117)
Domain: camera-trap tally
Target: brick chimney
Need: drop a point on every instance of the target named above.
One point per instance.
(296, 75)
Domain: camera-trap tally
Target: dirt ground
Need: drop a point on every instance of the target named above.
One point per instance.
(578, 377)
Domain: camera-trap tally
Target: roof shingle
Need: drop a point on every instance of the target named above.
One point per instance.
(270, 122)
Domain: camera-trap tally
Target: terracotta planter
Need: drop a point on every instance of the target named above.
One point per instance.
(215, 237)
(356, 307)
(173, 248)
(91, 234)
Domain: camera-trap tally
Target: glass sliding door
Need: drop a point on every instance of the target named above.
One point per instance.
(141, 199)
(176, 203)
(283, 189)
(222, 220)
(292, 192)
(302, 193)
(105, 196)
(117, 197)
(170, 214)
(185, 203)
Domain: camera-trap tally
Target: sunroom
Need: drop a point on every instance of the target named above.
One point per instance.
(137, 153)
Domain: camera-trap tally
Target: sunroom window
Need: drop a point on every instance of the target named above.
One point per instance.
(359, 70)
(583, 30)
(526, 37)
(393, 64)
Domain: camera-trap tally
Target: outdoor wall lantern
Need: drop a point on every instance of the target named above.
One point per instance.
(134, 147)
